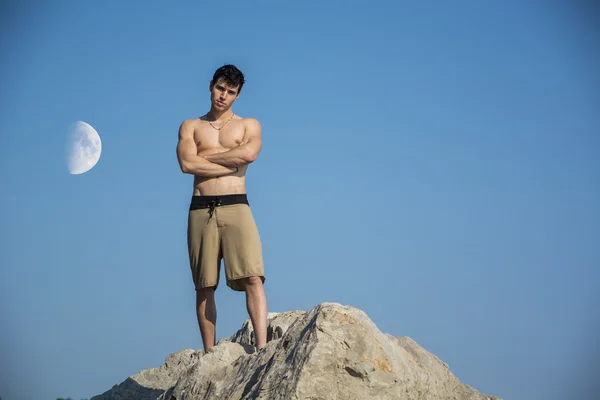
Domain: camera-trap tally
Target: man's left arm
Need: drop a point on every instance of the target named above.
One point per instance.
(246, 152)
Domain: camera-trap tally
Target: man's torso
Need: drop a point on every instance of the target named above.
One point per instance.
(209, 140)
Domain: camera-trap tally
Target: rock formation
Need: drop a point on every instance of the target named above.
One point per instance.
(330, 352)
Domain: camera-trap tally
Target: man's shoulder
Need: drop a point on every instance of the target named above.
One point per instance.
(191, 122)
(251, 123)
(188, 127)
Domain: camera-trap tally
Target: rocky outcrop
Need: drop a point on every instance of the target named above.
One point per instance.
(330, 352)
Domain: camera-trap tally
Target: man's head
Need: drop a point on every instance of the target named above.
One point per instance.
(225, 86)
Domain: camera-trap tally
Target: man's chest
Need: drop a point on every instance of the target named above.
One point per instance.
(208, 138)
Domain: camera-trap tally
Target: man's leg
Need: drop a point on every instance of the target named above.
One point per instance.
(242, 254)
(256, 304)
(206, 312)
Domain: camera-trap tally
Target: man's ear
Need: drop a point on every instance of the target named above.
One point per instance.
(210, 86)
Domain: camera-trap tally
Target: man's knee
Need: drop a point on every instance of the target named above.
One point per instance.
(205, 293)
(252, 282)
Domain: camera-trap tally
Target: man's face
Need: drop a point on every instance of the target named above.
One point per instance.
(222, 95)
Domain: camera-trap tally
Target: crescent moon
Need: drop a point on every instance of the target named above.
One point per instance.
(84, 148)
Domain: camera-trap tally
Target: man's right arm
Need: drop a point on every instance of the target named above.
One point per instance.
(190, 162)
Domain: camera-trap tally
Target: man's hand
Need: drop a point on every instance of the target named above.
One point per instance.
(243, 142)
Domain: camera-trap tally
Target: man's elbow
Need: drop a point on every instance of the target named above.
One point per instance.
(184, 167)
(250, 156)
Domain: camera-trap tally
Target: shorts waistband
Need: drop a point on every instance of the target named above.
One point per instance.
(199, 202)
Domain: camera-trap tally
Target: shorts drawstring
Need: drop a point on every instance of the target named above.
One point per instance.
(211, 207)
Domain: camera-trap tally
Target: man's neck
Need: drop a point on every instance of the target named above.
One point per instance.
(217, 115)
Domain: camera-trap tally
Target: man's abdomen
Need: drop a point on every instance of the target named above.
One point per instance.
(221, 185)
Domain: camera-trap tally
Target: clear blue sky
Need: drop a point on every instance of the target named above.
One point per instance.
(436, 165)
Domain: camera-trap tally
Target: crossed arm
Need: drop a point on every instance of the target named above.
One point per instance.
(190, 162)
(220, 164)
(246, 152)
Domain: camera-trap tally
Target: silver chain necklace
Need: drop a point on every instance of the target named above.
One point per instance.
(232, 115)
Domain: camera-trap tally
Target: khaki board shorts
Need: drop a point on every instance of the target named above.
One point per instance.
(222, 228)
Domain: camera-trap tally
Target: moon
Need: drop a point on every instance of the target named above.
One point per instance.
(83, 148)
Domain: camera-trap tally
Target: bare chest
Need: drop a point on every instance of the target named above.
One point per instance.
(208, 139)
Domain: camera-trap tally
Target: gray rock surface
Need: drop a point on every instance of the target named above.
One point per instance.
(329, 352)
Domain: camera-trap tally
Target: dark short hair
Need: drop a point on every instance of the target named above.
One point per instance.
(231, 75)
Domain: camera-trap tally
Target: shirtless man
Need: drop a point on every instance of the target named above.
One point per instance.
(217, 149)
